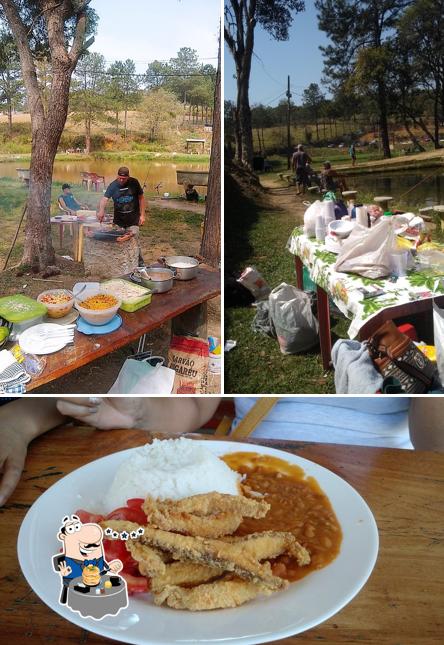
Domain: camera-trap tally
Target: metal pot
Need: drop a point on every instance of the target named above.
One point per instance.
(158, 279)
(176, 262)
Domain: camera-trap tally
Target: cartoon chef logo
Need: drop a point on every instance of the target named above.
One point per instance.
(91, 586)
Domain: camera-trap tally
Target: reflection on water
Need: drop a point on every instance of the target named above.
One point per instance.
(159, 177)
(413, 189)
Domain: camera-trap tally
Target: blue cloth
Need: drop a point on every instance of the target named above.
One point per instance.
(77, 566)
(70, 202)
(365, 421)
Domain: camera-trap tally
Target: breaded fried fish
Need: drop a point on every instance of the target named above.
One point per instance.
(185, 574)
(269, 544)
(215, 553)
(151, 561)
(221, 594)
(205, 515)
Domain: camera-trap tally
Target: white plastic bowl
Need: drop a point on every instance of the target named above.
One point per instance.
(56, 309)
(97, 316)
(341, 228)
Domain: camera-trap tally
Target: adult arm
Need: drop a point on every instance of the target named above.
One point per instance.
(20, 422)
(426, 423)
(101, 210)
(142, 209)
(156, 414)
(63, 205)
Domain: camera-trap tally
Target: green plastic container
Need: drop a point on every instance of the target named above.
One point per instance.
(20, 308)
(133, 296)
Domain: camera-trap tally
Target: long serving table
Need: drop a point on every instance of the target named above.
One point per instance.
(185, 301)
(410, 295)
(400, 603)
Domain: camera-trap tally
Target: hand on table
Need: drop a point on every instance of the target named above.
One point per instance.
(13, 449)
(103, 414)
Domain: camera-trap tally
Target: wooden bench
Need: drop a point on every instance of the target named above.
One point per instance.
(195, 141)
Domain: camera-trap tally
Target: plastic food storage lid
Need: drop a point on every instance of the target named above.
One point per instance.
(19, 308)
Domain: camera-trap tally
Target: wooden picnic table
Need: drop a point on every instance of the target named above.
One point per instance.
(400, 603)
(185, 300)
(402, 299)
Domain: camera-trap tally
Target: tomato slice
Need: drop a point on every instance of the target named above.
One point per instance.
(86, 517)
(128, 514)
(135, 502)
(135, 584)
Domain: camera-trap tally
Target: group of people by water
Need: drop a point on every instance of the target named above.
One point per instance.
(327, 180)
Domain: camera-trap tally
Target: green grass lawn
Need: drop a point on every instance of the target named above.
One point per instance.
(256, 235)
(176, 228)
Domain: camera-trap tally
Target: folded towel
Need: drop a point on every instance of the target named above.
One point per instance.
(355, 372)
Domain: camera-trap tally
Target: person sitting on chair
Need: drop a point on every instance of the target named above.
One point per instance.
(332, 180)
(191, 194)
(67, 201)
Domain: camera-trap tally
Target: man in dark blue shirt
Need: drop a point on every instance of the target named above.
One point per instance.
(129, 203)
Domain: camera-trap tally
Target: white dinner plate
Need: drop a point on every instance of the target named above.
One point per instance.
(303, 605)
(33, 340)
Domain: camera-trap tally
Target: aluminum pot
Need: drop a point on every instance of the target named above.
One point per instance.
(185, 267)
(158, 279)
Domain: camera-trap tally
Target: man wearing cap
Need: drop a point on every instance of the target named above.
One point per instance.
(129, 203)
(67, 201)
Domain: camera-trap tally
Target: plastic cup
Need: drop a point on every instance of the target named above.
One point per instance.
(399, 263)
(214, 363)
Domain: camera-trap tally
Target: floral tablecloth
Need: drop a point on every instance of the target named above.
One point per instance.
(345, 288)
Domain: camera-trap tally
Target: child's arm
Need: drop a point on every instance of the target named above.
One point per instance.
(20, 422)
(158, 414)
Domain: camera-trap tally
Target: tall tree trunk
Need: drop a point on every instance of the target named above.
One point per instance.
(88, 135)
(125, 124)
(436, 117)
(244, 116)
(10, 118)
(210, 245)
(383, 122)
(38, 250)
(117, 122)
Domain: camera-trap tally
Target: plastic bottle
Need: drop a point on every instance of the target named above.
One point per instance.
(320, 227)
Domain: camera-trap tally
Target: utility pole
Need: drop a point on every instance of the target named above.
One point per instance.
(288, 95)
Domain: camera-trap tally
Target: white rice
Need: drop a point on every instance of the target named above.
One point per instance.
(170, 469)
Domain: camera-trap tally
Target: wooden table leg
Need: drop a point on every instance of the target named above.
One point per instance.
(75, 242)
(299, 269)
(61, 227)
(192, 322)
(79, 242)
(324, 327)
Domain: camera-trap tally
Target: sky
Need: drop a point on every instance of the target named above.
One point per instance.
(273, 61)
(147, 30)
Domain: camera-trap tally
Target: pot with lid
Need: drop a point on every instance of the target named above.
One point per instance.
(185, 267)
(158, 279)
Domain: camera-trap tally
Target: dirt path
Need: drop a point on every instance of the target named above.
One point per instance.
(177, 204)
(284, 197)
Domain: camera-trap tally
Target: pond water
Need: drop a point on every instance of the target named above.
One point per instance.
(153, 173)
(427, 193)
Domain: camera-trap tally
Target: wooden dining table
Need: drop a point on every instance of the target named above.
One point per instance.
(184, 304)
(401, 603)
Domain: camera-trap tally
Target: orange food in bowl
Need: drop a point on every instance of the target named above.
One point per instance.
(98, 302)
